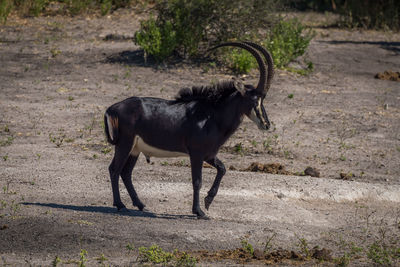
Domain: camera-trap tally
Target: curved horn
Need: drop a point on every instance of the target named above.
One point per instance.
(261, 64)
(268, 59)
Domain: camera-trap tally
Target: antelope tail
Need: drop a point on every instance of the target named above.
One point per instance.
(111, 128)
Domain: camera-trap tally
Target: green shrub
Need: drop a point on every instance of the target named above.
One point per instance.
(383, 255)
(246, 246)
(154, 254)
(375, 14)
(241, 61)
(287, 40)
(30, 7)
(5, 9)
(196, 24)
(158, 41)
(73, 7)
(105, 6)
(372, 14)
(184, 260)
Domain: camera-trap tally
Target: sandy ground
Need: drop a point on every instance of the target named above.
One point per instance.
(57, 77)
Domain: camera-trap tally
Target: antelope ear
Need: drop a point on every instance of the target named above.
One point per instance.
(239, 86)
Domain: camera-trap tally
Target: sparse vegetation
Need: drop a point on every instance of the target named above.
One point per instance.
(246, 246)
(239, 148)
(83, 258)
(130, 247)
(30, 8)
(56, 261)
(6, 142)
(304, 247)
(154, 254)
(57, 139)
(101, 259)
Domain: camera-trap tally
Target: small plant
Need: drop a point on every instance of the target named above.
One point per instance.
(184, 259)
(56, 261)
(54, 52)
(239, 148)
(381, 254)
(5, 157)
(344, 260)
(57, 139)
(106, 150)
(290, 96)
(246, 246)
(101, 259)
(303, 245)
(154, 254)
(7, 142)
(83, 258)
(130, 247)
(268, 245)
(15, 207)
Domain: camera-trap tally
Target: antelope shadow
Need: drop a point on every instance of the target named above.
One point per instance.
(110, 210)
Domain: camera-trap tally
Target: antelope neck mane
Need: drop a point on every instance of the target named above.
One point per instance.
(212, 94)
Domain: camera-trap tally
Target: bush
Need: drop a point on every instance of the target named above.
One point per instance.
(381, 14)
(154, 254)
(5, 9)
(287, 41)
(158, 41)
(241, 61)
(375, 14)
(73, 7)
(196, 24)
(30, 7)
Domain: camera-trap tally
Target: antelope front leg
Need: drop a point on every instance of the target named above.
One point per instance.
(215, 162)
(197, 165)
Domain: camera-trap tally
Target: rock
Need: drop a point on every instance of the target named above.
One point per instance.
(313, 172)
(347, 176)
(388, 75)
(259, 254)
(322, 254)
(295, 255)
(273, 168)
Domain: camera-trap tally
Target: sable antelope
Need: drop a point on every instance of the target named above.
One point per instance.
(195, 124)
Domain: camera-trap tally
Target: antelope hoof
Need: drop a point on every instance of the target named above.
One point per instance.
(207, 201)
(203, 217)
(139, 205)
(123, 210)
(119, 206)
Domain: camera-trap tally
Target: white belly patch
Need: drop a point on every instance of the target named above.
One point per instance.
(149, 151)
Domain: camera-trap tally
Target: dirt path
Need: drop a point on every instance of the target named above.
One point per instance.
(59, 74)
